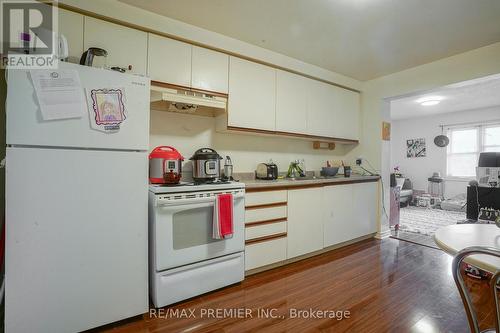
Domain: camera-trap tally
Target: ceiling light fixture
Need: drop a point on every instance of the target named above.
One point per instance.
(430, 100)
(429, 103)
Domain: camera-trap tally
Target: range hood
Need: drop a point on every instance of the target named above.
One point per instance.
(187, 101)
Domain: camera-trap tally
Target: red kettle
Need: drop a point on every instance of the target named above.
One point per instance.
(165, 165)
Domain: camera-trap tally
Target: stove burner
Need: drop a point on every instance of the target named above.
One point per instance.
(173, 185)
(213, 182)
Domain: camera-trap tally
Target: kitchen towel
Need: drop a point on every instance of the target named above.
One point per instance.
(223, 216)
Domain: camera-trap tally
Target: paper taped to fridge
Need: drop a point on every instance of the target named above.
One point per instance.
(59, 93)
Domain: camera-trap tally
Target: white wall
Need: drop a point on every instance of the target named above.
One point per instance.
(188, 133)
(420, 168)
(466, 66)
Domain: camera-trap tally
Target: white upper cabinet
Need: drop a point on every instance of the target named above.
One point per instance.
(174, 62)
(126, 47)
(209, 70)
(321, 117)
(291, 102)
(252, 95)
(71, 26)
(332, 111)
(347, 108)
(305, 221)
(169, 61)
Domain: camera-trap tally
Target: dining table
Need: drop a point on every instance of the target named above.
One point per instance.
(454, 238)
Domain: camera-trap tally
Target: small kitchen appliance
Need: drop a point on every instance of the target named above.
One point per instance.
(228, 169)
(206, 165)
(165, 165)
(329, 171)
(266, 171)
(94, 57)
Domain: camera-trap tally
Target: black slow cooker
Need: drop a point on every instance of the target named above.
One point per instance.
(206, 165)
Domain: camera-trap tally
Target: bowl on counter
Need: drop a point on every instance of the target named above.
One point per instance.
(329, 171)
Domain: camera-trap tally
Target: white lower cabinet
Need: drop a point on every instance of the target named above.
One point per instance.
(305, 221)
(310, 220)
(337, 214)
(263, 230)
(349, 212)
(264, 198)
(265, 253)
(365, 207)
(265, 214)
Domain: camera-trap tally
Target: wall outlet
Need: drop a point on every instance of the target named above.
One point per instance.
(359, 160)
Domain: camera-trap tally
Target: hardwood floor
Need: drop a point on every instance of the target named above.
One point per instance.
(387, 286)
(414, 238)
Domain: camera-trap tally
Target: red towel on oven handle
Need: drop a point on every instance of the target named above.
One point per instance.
(225, 214)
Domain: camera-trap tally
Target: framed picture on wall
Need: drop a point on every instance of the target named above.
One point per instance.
(386, 131)
(415, 148)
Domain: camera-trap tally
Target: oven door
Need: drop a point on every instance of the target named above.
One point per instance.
(182, 228)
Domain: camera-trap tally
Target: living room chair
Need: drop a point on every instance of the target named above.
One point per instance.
(405, 190)
(464, 294)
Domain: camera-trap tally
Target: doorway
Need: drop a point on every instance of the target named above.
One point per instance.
(436, 139)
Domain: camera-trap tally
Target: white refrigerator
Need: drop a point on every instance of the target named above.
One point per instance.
(76, 210)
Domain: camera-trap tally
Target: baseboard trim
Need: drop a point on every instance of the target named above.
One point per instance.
(383, 234)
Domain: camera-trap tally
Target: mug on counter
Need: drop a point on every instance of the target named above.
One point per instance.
(347, 171)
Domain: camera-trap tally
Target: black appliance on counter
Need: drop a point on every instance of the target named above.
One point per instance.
(266, 171)
(206, 165)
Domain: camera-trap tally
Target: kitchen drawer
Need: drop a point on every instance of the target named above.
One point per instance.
(264, 198)
(265, 214)
(262, 230)
(265, 253)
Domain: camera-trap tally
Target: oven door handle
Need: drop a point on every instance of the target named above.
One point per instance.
(188, 201)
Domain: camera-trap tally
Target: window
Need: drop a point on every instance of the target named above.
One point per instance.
(491, 138)
(465, 146)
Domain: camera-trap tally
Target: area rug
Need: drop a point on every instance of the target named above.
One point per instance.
(426, 221)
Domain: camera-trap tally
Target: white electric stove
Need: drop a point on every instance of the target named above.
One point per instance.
(185, 260)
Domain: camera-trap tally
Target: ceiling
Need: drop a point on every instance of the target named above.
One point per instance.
(363, 39)
(470, 95)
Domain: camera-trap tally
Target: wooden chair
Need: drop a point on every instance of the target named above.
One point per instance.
(464, 294)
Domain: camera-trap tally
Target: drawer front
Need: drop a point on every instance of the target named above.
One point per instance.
(264, 214)
(265, 253)
(264, 198)
(264, 230)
